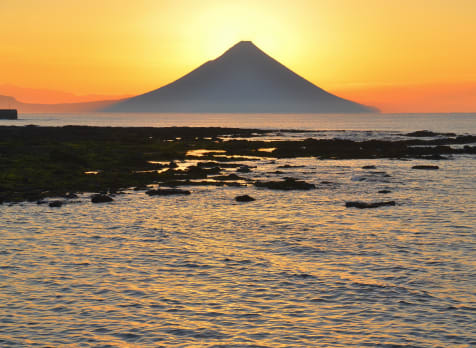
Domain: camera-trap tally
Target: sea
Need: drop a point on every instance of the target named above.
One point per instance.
(290, 269)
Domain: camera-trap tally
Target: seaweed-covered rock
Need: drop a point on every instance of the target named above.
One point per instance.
(369, 167)
(167, 192)
(101, 198)
(425, 167)
(366, 205)
(286, 184)
(384, 191)
(244, 198)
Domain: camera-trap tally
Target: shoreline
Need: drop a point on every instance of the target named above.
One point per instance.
(41, 162)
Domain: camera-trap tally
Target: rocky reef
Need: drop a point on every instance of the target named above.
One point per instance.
(41, 162)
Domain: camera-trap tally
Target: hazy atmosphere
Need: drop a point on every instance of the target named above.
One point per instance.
(272, 174)
(405, 56)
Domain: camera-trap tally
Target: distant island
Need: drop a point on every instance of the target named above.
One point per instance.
(242, 80)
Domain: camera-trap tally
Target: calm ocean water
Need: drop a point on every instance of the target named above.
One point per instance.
(291, 269)
(459, 123)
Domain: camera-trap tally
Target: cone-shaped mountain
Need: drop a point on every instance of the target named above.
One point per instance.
(242, 80)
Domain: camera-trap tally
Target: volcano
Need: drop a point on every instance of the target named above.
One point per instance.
(242, 80)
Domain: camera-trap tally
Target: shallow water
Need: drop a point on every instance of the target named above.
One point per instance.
(292, 269)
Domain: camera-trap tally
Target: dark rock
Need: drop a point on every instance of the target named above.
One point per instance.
(286, 184)
(55, 204)
(211, 164)
(140, 188)
(70, 195)
(244, 169)
(369, 167)
(173, 165)
(385, 191)
(228, 177)
(426, 133)
(33, 196)
(167, 192)
(424, 167)
(365, 205)
(196, 172)
(101, 198)
(244, 198)
(286, 166)
(175, 183)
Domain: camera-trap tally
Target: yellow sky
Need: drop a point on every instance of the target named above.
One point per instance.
(129, 47)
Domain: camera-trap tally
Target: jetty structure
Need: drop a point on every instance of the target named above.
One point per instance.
(8, 114)
(242, 80)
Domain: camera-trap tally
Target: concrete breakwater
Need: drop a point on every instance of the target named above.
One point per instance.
(8, 114)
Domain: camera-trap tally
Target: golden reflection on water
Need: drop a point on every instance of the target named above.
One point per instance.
(267, 149)
(289, 269)
(202, 152)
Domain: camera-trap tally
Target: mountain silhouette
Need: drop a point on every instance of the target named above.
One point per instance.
(242, 80)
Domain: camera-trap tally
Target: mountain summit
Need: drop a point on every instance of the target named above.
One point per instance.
(242, 80)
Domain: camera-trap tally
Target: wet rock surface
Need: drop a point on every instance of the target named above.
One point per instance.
(101, 198)
(167, 192)
(287, 166)
(426, 133)
(368, 205)
(426, 167)
(244, 169)
(244, 198)
(55, 204)
(287, 184)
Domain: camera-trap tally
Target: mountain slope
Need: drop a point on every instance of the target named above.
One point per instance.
(242, 80)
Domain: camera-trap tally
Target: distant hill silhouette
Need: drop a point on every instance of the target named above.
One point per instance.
(45, 96)
(7, 102)
(242, 80)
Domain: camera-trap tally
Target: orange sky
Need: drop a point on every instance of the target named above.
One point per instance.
(401, 56)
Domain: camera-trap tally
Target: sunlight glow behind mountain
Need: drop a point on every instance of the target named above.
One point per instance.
(125, 48)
